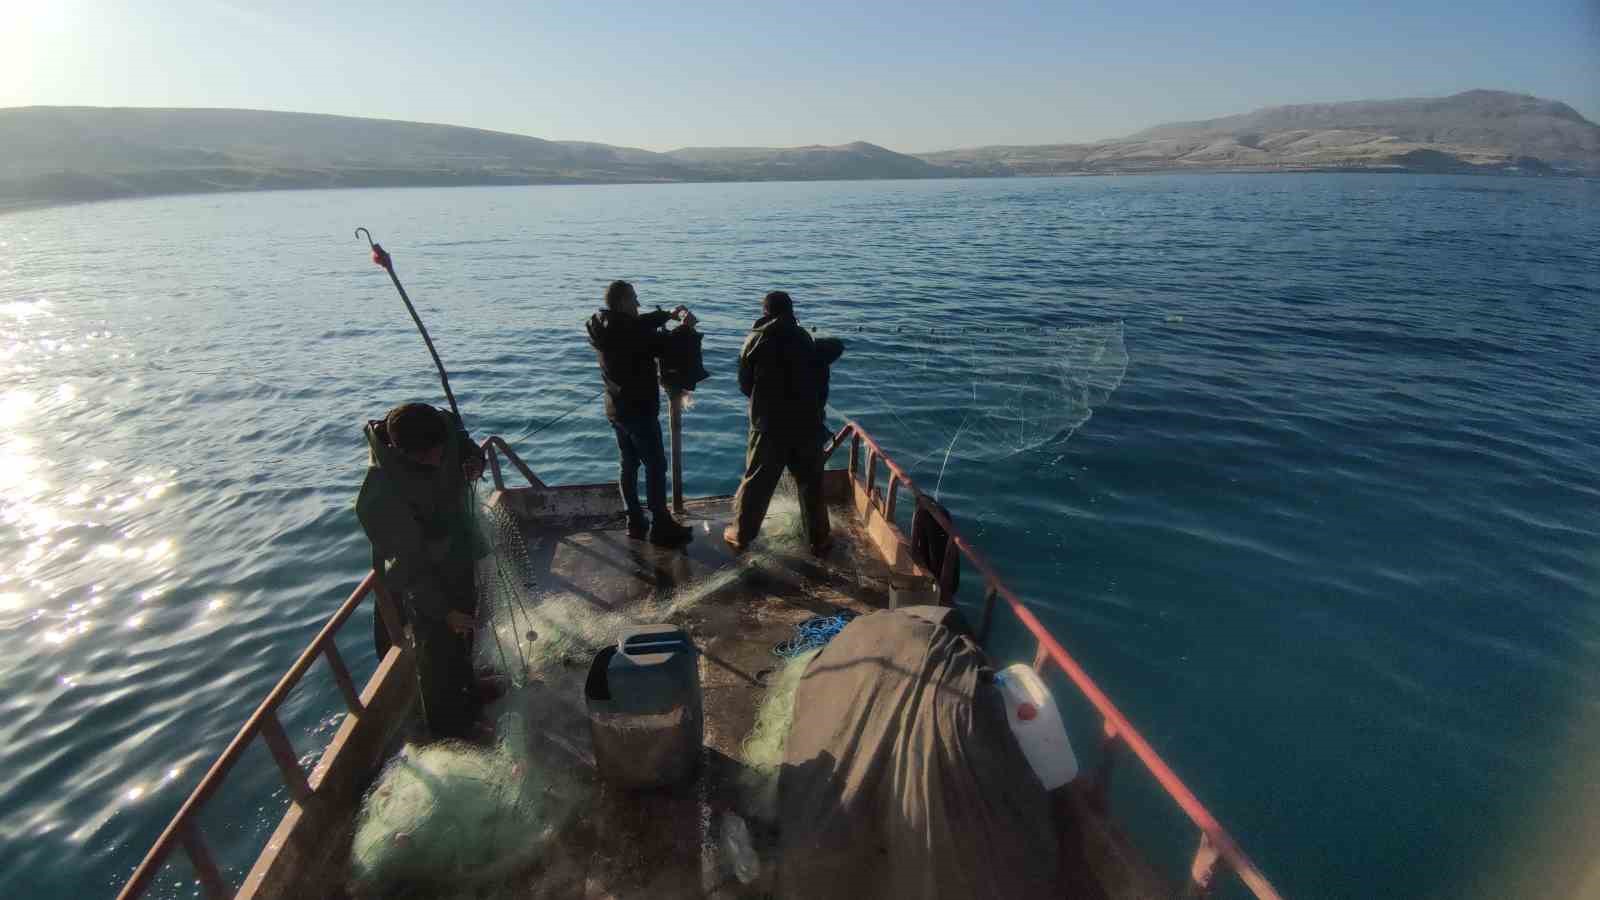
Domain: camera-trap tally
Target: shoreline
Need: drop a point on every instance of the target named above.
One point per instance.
(10, 206)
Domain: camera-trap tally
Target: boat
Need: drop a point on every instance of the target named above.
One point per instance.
(651, 843)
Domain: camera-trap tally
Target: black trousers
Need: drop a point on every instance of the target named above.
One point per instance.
(444, 679)
(767, 455)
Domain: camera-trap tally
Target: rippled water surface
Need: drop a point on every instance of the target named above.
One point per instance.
(1329, 536)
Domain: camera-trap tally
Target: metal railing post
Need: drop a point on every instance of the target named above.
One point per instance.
(494, 466)
(947, 572)
(675, 426)
(1202, 870)
(390, 614)
(341, 677)
(205, 867)
(990, 595)
(1099, 794)
(294, 777)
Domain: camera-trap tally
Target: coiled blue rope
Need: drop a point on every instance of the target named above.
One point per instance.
(813, 633)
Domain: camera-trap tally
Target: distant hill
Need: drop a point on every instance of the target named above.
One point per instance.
(857, 160)
(71, 153)
(1475, 131)
(63, 154)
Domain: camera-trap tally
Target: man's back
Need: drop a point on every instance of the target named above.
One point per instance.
(782, 374)
(418, 519)
(626, 347)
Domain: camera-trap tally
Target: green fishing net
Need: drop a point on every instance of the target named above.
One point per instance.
(455, 816)
(763, 747)
(451, 812)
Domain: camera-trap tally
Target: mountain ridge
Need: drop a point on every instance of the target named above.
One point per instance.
(1473, 131)
(58, 154)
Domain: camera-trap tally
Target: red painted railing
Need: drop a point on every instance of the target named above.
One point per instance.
(1215, 843)
(184, 830)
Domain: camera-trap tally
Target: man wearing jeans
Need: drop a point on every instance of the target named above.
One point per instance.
(627, 345)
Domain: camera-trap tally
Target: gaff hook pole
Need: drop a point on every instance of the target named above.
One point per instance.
(381, 257)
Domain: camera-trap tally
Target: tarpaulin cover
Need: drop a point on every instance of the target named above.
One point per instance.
(901, 777)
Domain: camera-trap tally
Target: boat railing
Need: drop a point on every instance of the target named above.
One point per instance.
(1118, 734)
(184, 829)
(493, 447)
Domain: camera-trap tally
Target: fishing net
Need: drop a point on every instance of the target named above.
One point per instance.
(454, 812)
(526, 633)
(986, 394)
(463, 816)
(763, 747)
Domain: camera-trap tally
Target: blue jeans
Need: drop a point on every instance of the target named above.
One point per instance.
(639, 440)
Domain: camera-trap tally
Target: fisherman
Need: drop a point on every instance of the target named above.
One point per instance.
(785, 375)
(627, 345)
(415, 507)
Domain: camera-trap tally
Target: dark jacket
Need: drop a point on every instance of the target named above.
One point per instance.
(420, 523)
(785, 376)
(627, 347)
(829, 349)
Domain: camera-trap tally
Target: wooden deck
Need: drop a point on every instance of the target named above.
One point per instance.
(573, 555)
(737, 607)
(665, 843)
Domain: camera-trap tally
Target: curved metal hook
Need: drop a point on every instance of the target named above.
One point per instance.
(370, 242)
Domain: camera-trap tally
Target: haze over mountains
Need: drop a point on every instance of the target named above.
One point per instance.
(64, 154)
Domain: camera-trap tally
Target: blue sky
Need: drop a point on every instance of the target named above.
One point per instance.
(912, 77)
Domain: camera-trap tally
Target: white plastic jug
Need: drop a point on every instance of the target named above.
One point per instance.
(1031, 712)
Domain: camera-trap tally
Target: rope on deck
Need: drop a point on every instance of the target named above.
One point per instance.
(812, 634)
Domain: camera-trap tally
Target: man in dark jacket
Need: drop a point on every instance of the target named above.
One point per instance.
(785, 375)
(416, 510)
(628, 345)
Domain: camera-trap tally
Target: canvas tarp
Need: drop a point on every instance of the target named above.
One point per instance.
(901, 777)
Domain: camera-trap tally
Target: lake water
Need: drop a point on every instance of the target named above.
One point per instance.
(1331, 541)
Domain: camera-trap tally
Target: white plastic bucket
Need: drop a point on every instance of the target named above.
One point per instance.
(1032, 714)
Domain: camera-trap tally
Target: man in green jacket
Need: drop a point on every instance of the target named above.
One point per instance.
(785, 375)
(416, 509)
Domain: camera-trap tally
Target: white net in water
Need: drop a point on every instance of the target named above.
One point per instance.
(983, 394)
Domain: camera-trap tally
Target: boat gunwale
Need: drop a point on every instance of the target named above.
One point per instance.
(1215, 841)
(264, 723)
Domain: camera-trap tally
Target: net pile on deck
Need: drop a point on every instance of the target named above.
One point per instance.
(456, 814)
